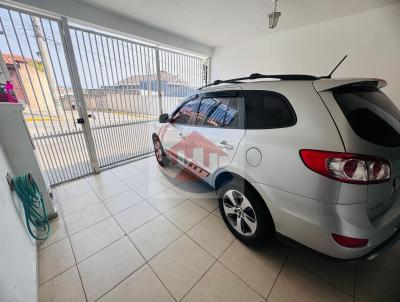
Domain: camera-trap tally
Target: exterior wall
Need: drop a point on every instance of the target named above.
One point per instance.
(18, 261)
(371, 39)
(14, 79)
(33, 83)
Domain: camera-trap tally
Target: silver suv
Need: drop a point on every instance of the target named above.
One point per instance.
(316, 160)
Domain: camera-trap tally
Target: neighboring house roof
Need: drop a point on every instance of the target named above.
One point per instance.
(8, 58)
(164, 76)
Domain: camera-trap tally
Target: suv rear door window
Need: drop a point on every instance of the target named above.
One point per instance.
(266, 110)
(371, 114)
(232, 117)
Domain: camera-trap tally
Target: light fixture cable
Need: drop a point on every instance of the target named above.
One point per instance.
(274, 16)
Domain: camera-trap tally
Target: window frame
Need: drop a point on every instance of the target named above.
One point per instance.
(248, 93)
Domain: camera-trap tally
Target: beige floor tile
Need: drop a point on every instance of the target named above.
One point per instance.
(146, 164)
(217, 213)
(339, 274)
(166, 199)
(78, 203)
(84, 218)
(108, 258)
(126, 171)
(208, 201)
(375, 283)
(101, 179)
(178, 174)
(155, 173)
(143, 286)
(220, 285)
(135, 216)
(122, 201)
(183, 192)
(212, 234)
(54, 260)
(167, 178)
(297, 284)
(186, 214)
(258, 267)
(181, 265)
(191, 187)
(94, 238)
(137, 180)
(71, 189)
(110, 189)
(104, 270)
(154, 236)
(57, 232)
(150, 188)
(66, 287)
(389, 260)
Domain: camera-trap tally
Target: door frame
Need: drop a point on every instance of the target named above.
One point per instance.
(78, 92)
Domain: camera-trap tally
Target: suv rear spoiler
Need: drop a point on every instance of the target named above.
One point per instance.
(329, 84)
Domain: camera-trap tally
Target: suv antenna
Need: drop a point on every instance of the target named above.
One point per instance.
(334, 69)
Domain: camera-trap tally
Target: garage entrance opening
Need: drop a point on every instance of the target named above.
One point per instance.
(91, 97)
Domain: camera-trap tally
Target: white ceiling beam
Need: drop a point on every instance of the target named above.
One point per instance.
(82, 13)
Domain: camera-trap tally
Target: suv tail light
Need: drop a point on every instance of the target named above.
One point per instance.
(349, 241)
(347, 167)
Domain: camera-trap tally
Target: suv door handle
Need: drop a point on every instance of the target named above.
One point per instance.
(224, 145)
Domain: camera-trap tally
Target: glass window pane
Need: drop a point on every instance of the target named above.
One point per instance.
(371, 115)
(212, 112)
(265, 110)
(206, 107)
(185, 112)
(217, 115)
(232, 114)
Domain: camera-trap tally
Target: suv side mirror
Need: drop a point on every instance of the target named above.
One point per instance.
(163, 118)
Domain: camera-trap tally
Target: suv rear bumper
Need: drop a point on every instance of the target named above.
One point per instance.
(311, 223)
(369, 256)
(384, 246)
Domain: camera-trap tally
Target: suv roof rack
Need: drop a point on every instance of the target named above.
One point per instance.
(255, 76)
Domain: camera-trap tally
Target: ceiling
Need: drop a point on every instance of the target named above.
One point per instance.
(220, 22)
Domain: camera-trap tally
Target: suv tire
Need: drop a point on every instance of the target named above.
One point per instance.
(245, 212)
(159, 152)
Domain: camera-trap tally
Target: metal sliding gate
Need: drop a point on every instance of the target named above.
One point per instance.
(91, 98)
(33, 49)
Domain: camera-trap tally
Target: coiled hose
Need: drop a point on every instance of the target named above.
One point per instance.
(32, 201)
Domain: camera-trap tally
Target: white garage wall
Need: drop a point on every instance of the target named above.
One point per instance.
(18, 253)
(371, 39)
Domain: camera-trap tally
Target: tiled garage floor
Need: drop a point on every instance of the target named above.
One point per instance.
(132, 234)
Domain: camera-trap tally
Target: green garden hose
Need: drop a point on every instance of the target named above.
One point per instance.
(35, 212)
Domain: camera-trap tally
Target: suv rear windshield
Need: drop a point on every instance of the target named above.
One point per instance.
(370, 114)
